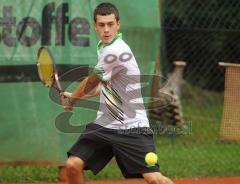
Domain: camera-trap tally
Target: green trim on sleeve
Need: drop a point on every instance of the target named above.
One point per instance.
(98, 71)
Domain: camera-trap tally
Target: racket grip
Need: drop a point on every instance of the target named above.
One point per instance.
(67, 94)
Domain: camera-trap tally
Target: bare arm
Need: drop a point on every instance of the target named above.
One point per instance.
(88, 88)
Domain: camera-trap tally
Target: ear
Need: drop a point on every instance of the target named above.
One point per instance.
(95, 26)
(119, 24)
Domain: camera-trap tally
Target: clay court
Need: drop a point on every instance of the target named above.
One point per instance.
(220, 180)
(217, 180)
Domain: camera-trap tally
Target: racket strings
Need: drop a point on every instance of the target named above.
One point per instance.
(45, 67)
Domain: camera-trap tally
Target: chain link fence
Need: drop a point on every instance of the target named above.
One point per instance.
(202, 33)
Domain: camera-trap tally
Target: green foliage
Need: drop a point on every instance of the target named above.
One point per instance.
(23, 174)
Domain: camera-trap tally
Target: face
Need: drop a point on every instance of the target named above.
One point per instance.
(107, 27)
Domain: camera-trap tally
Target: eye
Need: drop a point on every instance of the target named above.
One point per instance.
(101, 25)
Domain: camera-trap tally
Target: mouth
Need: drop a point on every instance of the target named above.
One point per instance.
(107, 37)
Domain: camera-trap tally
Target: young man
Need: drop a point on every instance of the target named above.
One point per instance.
(121, 128)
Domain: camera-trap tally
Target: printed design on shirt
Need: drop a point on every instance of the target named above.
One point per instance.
(113, 102)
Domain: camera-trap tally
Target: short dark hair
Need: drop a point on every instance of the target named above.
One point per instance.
(106, 9)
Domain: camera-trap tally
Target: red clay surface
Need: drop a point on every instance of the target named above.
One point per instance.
(220, 180)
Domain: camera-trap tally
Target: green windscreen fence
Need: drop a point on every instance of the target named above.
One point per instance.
(28, 110)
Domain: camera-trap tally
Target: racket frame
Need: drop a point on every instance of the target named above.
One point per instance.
(55, 84)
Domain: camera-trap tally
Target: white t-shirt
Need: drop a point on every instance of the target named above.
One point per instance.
(121, 103)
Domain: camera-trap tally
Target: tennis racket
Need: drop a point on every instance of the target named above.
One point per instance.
(47, 71)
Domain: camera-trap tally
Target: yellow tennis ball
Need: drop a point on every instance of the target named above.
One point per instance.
(151, 158)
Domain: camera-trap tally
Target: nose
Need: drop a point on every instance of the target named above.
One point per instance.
(106, 29)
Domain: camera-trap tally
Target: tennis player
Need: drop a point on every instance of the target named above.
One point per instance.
(121, 129)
